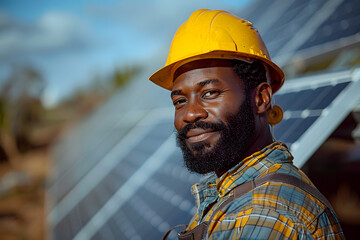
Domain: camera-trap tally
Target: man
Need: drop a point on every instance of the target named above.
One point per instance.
(222, 79)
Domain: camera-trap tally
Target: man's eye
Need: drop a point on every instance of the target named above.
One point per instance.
(210, 94)
(179, 102)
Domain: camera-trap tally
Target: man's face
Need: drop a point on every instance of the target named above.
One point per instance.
(213, 117)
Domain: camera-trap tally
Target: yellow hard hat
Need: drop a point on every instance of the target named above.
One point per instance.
(216, 34)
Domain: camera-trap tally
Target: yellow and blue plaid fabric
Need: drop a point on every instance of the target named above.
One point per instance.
(270, 211)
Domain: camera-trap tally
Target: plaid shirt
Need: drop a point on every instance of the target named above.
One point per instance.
(270, 211)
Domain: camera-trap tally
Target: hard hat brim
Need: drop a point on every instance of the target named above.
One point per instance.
(164, 76)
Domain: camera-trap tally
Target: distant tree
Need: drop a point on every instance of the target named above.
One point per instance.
(87, 99)
(20, 109)
(123, 75)
(3, 154)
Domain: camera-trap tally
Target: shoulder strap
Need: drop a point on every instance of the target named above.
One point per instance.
(294, 181)
(164, 237)
(199, 232)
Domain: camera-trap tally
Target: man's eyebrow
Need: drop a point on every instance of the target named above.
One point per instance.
(175, 92)
(202, 83)
(208, 81)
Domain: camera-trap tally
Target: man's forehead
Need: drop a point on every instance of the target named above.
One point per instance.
(201, 83)
(200, 64)
(198, 79)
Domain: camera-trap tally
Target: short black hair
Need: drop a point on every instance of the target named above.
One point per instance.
(251, 73)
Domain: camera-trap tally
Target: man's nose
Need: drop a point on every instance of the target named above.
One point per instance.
(194, 112)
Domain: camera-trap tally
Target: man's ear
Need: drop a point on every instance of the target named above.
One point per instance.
(263, 95)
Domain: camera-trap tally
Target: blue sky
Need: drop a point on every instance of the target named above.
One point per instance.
(70, 42)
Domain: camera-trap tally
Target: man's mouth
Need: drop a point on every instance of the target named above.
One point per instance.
(199, 135)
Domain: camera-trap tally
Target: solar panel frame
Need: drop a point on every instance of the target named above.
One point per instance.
(331, 117)
(125, 193)
(83, 186)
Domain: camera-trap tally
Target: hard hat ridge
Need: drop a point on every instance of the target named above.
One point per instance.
(216, 34)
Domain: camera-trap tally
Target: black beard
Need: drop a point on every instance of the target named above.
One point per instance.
(231, 146)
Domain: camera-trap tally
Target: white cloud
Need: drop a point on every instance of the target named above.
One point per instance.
(156, 16)
(53, 31)
(107, 35)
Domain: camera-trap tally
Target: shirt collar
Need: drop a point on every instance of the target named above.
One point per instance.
(248, 169)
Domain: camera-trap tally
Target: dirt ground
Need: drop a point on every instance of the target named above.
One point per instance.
(22, 197)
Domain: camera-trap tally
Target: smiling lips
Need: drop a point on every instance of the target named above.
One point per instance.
(198, 134)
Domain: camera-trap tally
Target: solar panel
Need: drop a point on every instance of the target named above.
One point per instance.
(287, 24)
(344, 22)
(146, 189)
(302, 108)
(283, 21)
(76, 162)
(111, 178)
(305, 27)
(127, 181)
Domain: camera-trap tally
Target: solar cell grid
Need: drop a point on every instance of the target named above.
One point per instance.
(87, 209)
(136, 220)
(157, 223)
(299, 127)
(174, 169)
(108, 233)
(111, 183)
(312, 99)
(296, 8)
(106, 188)
(173, 195)
(344, 22)
(280, 128)
(328, 98)
(283, 30)
(62, 231)
(102, 194)
(324, 100)
(168, 200)
(121, 225)
(148, 144)
(136, 157)
(259, 7)
(285, 20)
(124, 170)
(85, 158)
(166, 207)
(302, 100)
(283, 100)
(179, 172)
(155, 214)
(303, 108)
(73, 222)
(169, 184)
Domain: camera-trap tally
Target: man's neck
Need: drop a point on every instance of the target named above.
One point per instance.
(257, 143)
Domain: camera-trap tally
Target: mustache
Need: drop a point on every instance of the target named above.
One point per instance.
(200, 124)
